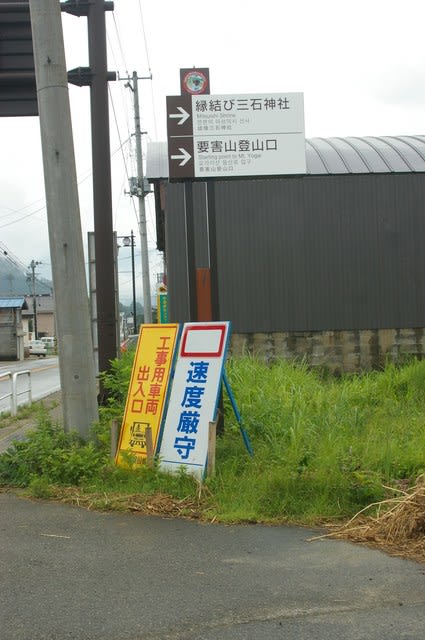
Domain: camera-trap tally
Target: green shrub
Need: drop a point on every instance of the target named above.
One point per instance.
(50, 454)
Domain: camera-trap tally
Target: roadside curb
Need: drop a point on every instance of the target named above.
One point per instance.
(17, 429)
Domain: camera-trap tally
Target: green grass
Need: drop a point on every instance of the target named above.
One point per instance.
(7, 419)
(324, 447)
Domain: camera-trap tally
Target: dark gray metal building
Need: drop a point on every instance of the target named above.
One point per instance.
(312, 261)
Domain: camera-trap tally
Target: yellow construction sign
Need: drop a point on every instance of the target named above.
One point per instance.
(147, 390)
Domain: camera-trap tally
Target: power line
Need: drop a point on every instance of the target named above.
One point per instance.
(10, 257)
(43, 208)
(144, 36)
(119, 43)
(117, 128)
(112, 49)
(142, 21)
(119, 40)
(14, 211)
(28, 215)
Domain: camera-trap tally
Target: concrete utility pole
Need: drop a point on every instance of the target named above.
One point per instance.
(147, 306)
(96, 76)
(76, 364)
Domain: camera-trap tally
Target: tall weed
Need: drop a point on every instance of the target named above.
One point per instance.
(323, 448)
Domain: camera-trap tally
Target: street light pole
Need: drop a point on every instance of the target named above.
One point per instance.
(133, 276)
(129, 241)
(32, 266)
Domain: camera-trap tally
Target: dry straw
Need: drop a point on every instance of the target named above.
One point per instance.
(397, 527)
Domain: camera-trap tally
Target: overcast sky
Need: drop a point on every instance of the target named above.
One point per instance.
(360, 65)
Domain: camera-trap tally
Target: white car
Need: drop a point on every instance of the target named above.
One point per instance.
(50, 342)
(37, 348)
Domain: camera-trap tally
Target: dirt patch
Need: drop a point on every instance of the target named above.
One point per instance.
(157, 504)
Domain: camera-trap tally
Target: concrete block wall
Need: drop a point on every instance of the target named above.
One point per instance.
(337, 351)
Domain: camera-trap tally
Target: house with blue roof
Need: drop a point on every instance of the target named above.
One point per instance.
(11, 328)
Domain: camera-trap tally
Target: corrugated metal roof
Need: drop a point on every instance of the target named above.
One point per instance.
(369, 154)
(13, 303)
(45, 303)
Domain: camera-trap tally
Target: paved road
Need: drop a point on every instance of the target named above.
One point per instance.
(44, 380)
(68, 573)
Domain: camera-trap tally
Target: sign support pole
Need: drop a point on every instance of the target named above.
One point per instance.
(237, 415)
(212, 250)
(190, 250)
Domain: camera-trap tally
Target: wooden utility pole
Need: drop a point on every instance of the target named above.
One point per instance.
(102, 189)
(77, 371)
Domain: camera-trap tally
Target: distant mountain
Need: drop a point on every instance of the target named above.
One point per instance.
(15, 280)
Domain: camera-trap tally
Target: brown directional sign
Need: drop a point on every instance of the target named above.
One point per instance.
(179, 116)
(180, 136)
(180, 158)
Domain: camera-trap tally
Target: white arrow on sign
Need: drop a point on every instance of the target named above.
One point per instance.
(183, 115)
(185, 157)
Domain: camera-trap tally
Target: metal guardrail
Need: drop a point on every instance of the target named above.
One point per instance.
(7, 374)
(14, 392)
